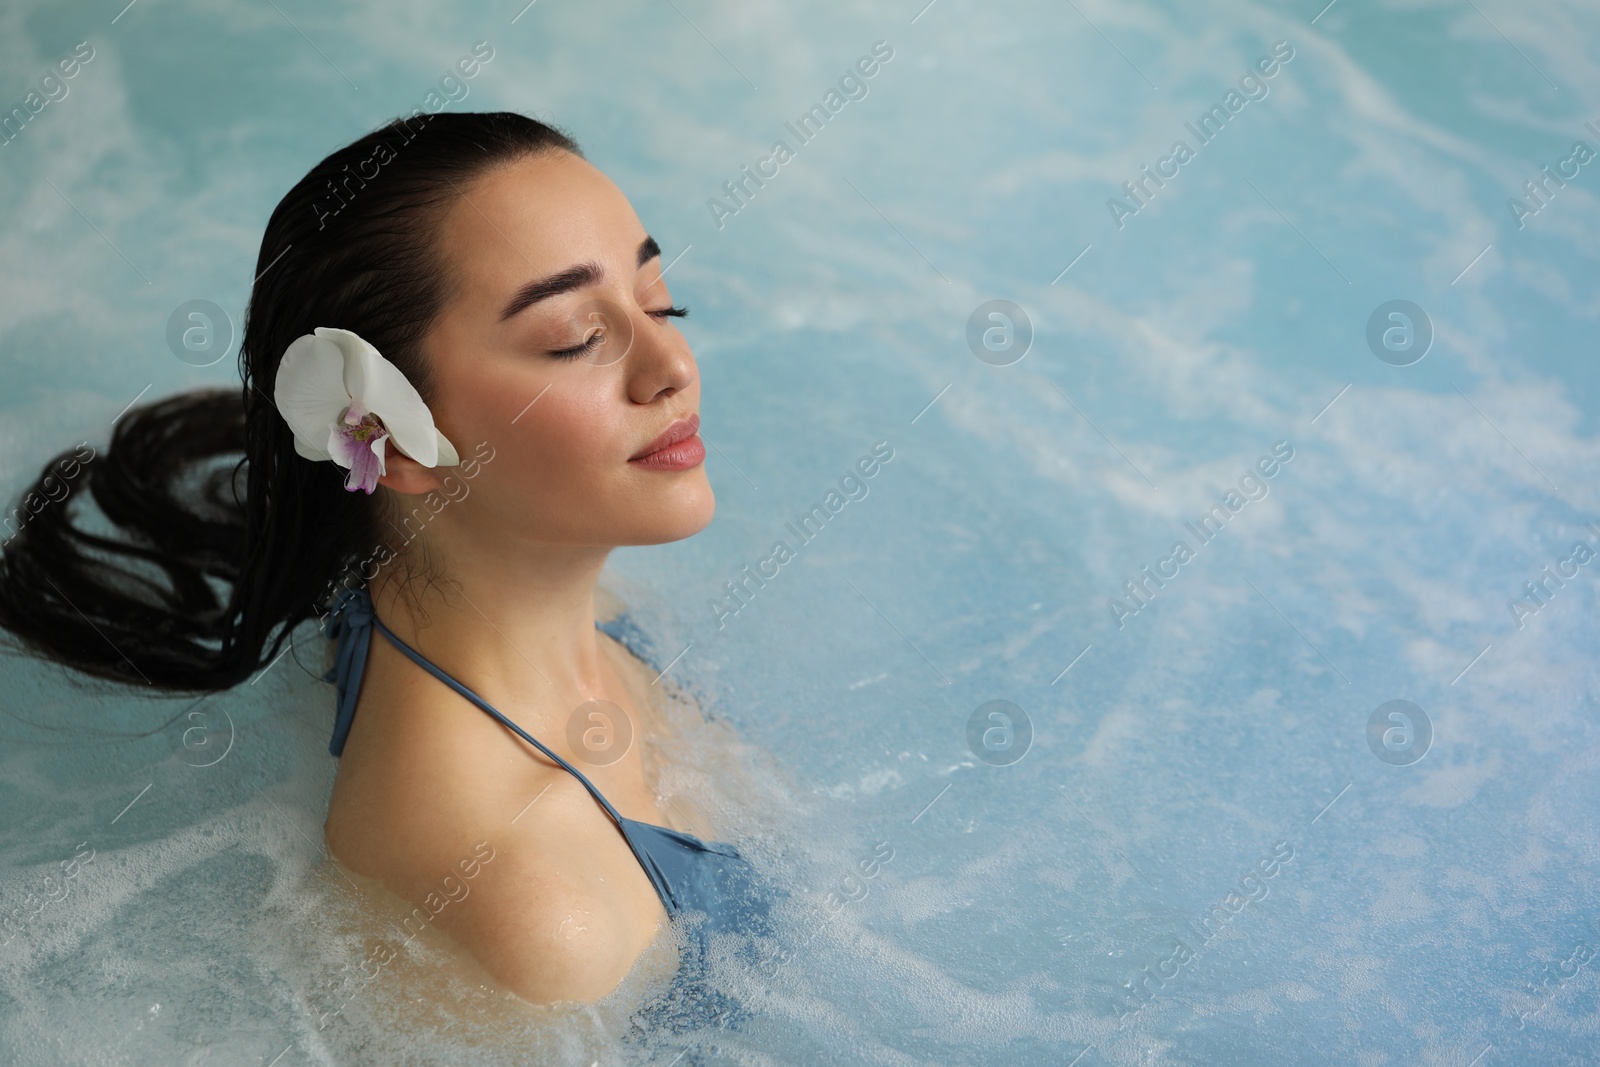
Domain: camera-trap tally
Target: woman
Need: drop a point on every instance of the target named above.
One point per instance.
(462, 388)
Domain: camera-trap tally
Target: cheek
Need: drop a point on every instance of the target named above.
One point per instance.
(561, 416)
(573, 434)
(553, 461)
(561, 435)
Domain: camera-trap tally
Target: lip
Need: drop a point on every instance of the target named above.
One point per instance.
(676, 448)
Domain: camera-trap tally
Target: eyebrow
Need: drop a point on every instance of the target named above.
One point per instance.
(575, 277)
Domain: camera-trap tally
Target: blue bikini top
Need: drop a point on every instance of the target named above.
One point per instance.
(690, 875)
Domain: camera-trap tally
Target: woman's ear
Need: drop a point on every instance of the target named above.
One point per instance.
(406, 476)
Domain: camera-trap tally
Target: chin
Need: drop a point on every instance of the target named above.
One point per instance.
(686, 511)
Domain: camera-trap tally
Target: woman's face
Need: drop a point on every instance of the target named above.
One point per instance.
(546, 254)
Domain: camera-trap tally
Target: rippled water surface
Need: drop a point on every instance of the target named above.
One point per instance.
(1199, 830)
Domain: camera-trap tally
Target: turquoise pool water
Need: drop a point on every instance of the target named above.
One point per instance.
(1200, 830)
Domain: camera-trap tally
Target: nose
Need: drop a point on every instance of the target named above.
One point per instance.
(659, 362)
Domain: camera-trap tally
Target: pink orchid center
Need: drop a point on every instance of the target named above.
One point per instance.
(362, 434)
(359, 424)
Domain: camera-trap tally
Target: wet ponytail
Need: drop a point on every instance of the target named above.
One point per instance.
(216, 538)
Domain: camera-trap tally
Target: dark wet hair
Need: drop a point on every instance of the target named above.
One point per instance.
(210, 560)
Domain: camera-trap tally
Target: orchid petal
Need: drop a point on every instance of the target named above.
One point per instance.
(379, 385)
(309, 391)
(342, 448)
(447, 451)
(309, 451)
(378, 449)
(367, 467)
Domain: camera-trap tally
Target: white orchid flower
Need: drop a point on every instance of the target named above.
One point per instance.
(344, 401)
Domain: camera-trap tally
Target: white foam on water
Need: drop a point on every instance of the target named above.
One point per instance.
(1026, 908)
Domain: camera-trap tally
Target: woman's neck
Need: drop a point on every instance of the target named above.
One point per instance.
(514, 618)
(516, 625)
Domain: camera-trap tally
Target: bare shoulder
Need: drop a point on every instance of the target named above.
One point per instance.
(549, 931)
(551, 906)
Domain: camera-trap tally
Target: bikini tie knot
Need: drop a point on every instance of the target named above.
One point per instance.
(349, 625)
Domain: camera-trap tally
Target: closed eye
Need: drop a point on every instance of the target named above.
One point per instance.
(598, 338)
